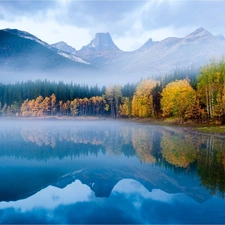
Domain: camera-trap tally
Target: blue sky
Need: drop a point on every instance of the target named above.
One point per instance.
(130, 23)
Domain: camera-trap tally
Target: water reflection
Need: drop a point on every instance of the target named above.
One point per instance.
(129, 202)
(49, 167)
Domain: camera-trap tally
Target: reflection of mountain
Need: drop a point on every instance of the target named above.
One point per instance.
(101, 153)
(101, 174)
(102, 182)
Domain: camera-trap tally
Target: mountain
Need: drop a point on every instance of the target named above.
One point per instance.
(163, 57)
(64, 47)
(101, 42)
(69, 55)
(27, 35)
(101, 50)
(21, 51)
(198, 36)
(220, 37)
(148, 44)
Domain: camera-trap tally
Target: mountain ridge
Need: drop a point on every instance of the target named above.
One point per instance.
(152, 59)
(101, 50)
(64, 47)
(165, 56)
(28, 36)
(148, 44)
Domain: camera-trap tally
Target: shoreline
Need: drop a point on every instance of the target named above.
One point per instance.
(189, 126)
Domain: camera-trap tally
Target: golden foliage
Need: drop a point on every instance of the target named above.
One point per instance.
(125, 107)
(178, 99)
(142, 103)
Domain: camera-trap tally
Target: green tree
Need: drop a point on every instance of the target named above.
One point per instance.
(211, 84)
(4, 110)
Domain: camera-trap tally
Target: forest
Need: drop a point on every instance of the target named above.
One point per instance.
(185, 94)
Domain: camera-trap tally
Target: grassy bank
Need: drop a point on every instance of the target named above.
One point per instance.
(212, 129)
(190, 125)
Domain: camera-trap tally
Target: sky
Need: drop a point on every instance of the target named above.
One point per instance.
(130, 22)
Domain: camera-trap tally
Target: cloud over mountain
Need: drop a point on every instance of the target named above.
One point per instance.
(22, 51)
(122, 19)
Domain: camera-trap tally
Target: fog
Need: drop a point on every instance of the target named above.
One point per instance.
(101, 78)
(49, 127)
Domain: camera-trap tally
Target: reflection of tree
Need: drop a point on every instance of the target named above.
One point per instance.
(178, 149)
(53, 142)
(142, 140)
(211, 165)
(115, 140)
(42, 137)
(38, 136)
(182, 149)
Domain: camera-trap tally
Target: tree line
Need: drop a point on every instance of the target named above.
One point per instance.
(198, 97)
(20, 91)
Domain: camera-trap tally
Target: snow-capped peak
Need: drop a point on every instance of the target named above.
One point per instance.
(26, 35)
(63, 53)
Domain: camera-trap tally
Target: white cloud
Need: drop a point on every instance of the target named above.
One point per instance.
(131, 23)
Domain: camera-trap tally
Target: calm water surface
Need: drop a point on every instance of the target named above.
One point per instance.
(109, 172)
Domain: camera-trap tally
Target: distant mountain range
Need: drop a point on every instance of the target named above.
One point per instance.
(153, 57)
(21, 51)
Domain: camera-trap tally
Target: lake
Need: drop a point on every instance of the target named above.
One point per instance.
(107, 171)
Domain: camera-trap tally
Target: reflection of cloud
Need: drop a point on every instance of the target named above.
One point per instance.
(51, 197)
(131, 187)
(129, 203)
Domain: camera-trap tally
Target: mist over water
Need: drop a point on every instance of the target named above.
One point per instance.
(88, 171)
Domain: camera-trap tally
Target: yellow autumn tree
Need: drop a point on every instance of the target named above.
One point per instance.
(73, 107)
(52, 105)
(178, 99)
(142, 103)
(125, 107)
